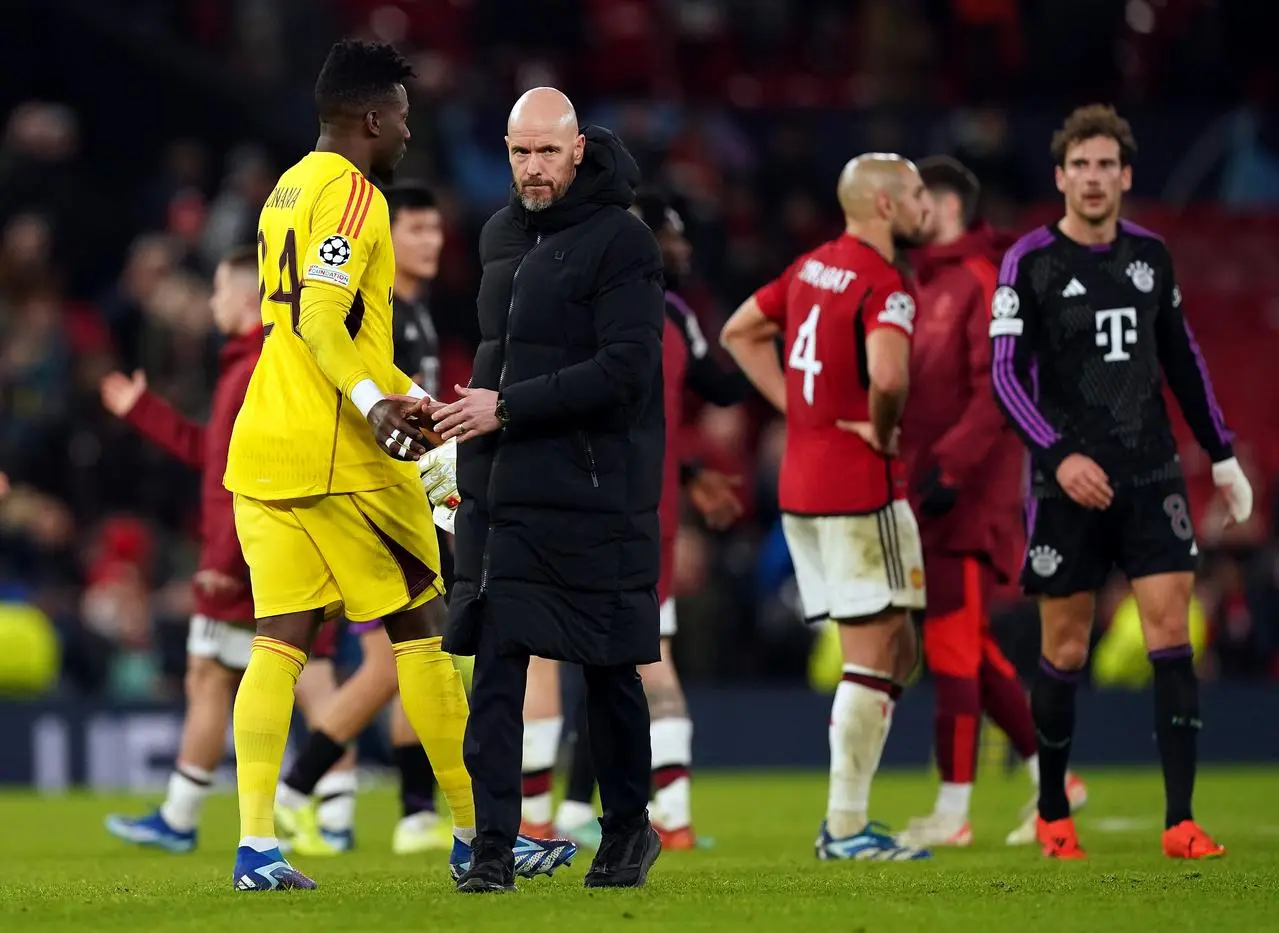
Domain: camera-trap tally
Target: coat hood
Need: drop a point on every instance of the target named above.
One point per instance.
(982, 240)
(608, 175)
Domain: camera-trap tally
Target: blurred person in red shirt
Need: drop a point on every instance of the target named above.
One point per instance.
(965, 469)
(222, 628)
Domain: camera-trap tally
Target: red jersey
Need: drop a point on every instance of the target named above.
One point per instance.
(204, 448)
(828, 302)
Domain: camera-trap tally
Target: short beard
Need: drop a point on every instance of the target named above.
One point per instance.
(533, 206)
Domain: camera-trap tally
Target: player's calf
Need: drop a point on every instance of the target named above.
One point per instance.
(671, 735)
(210, 687)
(435, 703)
(210, 690)
(1065, 625)
(861, 717)
(543, 724)
(1163, 601)
(263, 710)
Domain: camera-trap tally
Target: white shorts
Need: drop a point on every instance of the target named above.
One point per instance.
(852, 566)
(229, 645)
(667, 624)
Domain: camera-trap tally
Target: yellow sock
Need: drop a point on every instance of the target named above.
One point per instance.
(263, 708)
(435, 703)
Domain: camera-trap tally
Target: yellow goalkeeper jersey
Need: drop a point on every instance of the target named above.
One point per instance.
(326, 273)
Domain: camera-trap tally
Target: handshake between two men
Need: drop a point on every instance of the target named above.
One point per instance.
(399, 423)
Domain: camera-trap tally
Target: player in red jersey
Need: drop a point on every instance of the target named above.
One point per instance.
(966, 487)
(847, 320)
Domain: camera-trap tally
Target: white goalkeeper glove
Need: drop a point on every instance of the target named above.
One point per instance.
(438, 471)
(1229, 478)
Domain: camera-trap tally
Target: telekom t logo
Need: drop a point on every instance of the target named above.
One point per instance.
(1116, 327)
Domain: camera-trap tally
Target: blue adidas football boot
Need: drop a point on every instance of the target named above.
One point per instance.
(873, 843)
(150, 830)
(266, 871)
(532, 856)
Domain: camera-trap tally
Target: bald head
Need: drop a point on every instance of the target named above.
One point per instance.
(865, 177)
(545, 109)
(544, 145)
(883, 189)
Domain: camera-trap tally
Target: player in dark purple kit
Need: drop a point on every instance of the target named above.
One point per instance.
(1086, 324)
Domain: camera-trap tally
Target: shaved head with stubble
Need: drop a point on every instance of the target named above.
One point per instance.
(544, 145)
(882, 191)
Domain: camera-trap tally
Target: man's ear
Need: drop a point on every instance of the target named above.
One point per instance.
(579, 149)
(373, 123)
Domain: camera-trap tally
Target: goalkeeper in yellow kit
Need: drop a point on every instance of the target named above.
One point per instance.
(323, 461)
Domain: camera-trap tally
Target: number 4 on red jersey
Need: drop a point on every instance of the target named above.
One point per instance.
(827, 302)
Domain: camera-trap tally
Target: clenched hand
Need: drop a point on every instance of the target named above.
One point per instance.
(714, 495)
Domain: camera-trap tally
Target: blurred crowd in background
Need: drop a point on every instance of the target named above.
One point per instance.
(141, 137)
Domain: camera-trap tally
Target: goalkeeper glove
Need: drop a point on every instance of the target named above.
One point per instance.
(438, 471)
(1229, 478)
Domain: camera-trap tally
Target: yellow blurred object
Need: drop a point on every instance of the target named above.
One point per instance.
(1119, 660)
(826, 659)
(30, 655)
(466, 667)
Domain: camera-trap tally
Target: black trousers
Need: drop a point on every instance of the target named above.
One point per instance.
(617, 712)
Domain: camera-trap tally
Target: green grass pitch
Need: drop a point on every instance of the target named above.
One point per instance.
(60, 871)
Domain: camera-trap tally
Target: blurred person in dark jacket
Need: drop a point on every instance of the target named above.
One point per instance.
(222, 628)
(966, 481)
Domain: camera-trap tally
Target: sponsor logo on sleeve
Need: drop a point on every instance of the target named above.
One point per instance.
(326, 274)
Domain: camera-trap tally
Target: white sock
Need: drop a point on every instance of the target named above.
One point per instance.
(336, 794)
(464, 834)
(188, 786)
(287, 797)
(541, 746)
(260, 843)
(1032, 768)
(672, 741)
(859, 722)
(953, 799)
(573, 813)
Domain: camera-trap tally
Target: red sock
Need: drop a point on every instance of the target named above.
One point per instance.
(1004, 699)
(956, 717)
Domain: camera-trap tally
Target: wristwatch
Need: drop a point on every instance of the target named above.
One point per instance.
(503, 416)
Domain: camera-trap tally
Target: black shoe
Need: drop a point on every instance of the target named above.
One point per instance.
(623, 859)
(487, 876)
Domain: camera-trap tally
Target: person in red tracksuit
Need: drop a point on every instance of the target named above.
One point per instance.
(222, 628)
(965, 470)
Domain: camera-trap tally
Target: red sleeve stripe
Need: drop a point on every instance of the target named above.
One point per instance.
(350, 199)
(352, 226)
(364, 211)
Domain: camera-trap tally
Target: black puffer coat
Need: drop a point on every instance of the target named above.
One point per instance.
(556, 547)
